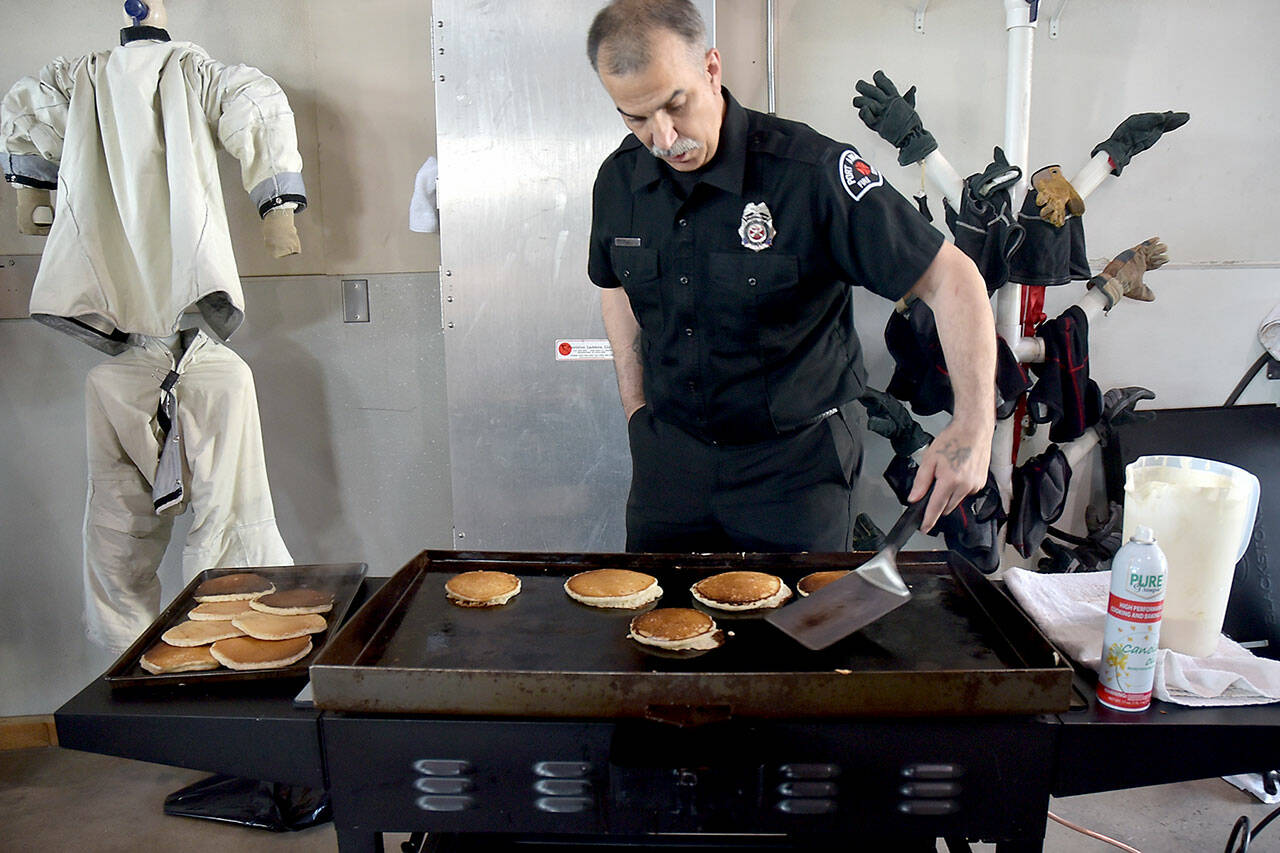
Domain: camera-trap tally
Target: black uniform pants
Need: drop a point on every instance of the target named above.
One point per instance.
(792, 493)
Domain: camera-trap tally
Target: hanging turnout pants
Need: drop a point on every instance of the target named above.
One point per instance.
(223, 479)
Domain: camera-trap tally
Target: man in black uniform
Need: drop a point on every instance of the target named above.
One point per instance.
(725, 242)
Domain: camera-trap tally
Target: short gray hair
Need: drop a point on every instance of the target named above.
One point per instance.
(627, 25)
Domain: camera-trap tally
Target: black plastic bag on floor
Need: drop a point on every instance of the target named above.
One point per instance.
(273, 806)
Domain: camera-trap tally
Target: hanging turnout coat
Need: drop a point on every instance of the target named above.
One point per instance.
(128, 138)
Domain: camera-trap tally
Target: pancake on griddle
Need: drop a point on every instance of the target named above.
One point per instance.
(241, 586)
(273, 626)
(676, 629)
(292, 602)
(218, 611)
(614, 588)
(163, 657)
(812, 583)
(736, 591)
(248, 653)
(200, 633)
(482, 588)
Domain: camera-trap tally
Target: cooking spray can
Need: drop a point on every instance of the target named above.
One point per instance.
(1131, 638)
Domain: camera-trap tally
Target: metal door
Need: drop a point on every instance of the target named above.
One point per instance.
(538, 444)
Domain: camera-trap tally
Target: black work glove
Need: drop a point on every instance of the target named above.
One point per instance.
(998, 176)
(866, 536)
(1105, 530)
(1136, 134)
(887, 416)
(894, 117)
(1118, 409)
(1060, 559)
(1118, 405)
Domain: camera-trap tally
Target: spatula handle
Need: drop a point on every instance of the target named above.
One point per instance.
(908, 523)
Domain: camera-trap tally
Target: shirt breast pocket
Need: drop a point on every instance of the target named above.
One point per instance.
(640, 275)
(761, 293)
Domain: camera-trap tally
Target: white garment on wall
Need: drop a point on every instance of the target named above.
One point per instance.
(1269, 332)
(422, 206)
(128, 138)
(224, 480)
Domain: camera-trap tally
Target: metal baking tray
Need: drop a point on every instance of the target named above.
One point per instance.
(342, 580)
(959, 647)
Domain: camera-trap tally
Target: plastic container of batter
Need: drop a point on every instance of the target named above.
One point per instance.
(1202, 512)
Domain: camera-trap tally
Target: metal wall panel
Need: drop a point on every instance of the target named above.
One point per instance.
(538, 446)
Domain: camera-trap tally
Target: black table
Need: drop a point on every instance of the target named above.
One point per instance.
(1100, 749)
(257, 732)
(252, 730)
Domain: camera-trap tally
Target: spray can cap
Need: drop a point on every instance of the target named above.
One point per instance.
(1143, 535)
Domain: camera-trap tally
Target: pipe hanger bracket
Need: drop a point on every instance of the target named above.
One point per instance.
(1055, 20)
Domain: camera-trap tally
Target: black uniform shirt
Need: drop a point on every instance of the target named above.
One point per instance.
(741, 285)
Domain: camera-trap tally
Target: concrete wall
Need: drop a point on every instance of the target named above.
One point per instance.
(354, 415)
(355, 429)
(1203, 188)
(359, 80)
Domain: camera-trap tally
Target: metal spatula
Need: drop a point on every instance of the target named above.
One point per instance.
(857, 599)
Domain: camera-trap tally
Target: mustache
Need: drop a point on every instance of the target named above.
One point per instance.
(683, 145)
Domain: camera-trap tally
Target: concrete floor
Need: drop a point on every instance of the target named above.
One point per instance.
(55, 799)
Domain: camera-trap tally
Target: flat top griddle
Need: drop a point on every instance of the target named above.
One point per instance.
(542, 628)
(957, 647)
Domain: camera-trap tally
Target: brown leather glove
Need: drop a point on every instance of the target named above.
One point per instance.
(279, 233)
(1055, 196)
(30, 200)
(1123, 276)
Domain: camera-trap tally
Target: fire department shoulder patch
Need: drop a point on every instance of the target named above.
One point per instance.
(857, 175)
(756, 229)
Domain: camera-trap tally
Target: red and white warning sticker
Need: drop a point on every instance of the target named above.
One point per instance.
(584, 349)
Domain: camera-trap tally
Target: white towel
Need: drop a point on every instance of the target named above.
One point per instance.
(1269, 332)
(422, 206)
(1071, 609)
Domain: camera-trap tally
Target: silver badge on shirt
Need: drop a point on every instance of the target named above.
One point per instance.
(756, 230)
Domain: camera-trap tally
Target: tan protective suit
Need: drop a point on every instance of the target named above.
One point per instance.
(224, 479)
(128, 138)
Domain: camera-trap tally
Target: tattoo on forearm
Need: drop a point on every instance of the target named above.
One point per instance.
(956, 454)
(635, 345)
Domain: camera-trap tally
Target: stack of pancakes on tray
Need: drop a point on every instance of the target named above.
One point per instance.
(241, 622)
(681, 630)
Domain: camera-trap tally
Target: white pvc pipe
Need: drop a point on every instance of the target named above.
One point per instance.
(1017, 133)
(1077, 450)
(1002, 458)
(1093, 303)
(939, 172)
(1029, 350)
(1017, 88)
(1093, 174)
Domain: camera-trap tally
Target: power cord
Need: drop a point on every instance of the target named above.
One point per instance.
(1251, 372)
(1098, 835)
(1241, 836)
(1239, 832)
